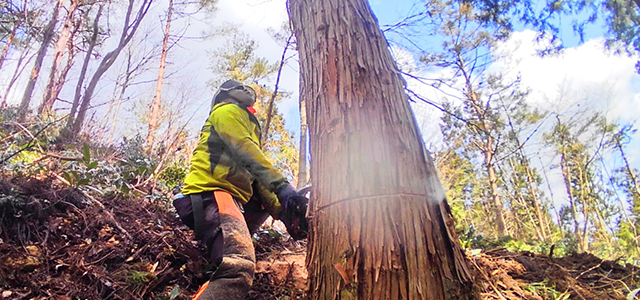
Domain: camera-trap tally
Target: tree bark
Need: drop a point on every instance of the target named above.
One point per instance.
(157, 99)
(35, 72)
(7, 45)
(51, 90)
(381, 226)
(83, 71)
(495, 195)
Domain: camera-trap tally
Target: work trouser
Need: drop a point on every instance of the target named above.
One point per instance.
(227, 237)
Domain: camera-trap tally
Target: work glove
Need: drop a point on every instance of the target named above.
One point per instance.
(293, 212)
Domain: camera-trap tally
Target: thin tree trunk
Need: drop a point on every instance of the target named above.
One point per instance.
(566, 174)
(128, 32)
(628, 169)
(381, 226)
(636, 188)
(265, 131)
(57, 87)
(7, 46)
(157, 99)
(83, 71)
(553, 206)
(495, 195)
(487, 147)
(536, 204)
(521, 199)
(587, 201)
(16, 74)
(120, 98)
(35, 72)
(50, 94)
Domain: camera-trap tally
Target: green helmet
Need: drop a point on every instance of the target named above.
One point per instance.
(241, 93)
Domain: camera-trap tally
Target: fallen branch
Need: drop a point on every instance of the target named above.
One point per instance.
(109, 214)
(95, 201)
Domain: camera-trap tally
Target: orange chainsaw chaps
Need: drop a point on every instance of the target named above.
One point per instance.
(226, 205)
(200, 291)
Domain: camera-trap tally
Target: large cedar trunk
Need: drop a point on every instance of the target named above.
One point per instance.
(381, 226)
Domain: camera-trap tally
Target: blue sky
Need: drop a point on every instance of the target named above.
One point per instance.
(580, 66)
(584, 68)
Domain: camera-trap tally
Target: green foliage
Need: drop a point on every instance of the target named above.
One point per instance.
(482, 129)
(546, 291)
(238, 60)
(173, 176)
(138, 278)
(622, 18)
(135, 163)
(36, 152)
(77, 178)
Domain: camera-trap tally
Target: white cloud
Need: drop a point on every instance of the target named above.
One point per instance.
(590, 77)
(585, 77)
(260, 13)
(596, 78)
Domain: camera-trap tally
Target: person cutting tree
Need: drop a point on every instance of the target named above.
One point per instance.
(231, 189)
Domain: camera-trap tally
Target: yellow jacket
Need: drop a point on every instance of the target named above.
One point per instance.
(228, 157)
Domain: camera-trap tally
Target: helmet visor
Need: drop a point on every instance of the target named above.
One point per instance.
(246, 89)
(243, 94)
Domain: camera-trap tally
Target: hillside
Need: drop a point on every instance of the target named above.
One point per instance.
(60, 242)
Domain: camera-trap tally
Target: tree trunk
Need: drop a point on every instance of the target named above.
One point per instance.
(566, 174)
(7, 45)
(495, 195)
(35, 72)
(635, 188)
(487, 147)
(16, 74)
(381, 226)
(108, 60)
(303, 177)
(83, 71)
(519, 198)
(157, 99)
(272, 100)
(50, 94)
(536, 204)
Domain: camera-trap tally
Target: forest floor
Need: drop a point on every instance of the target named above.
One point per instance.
(60, 243)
